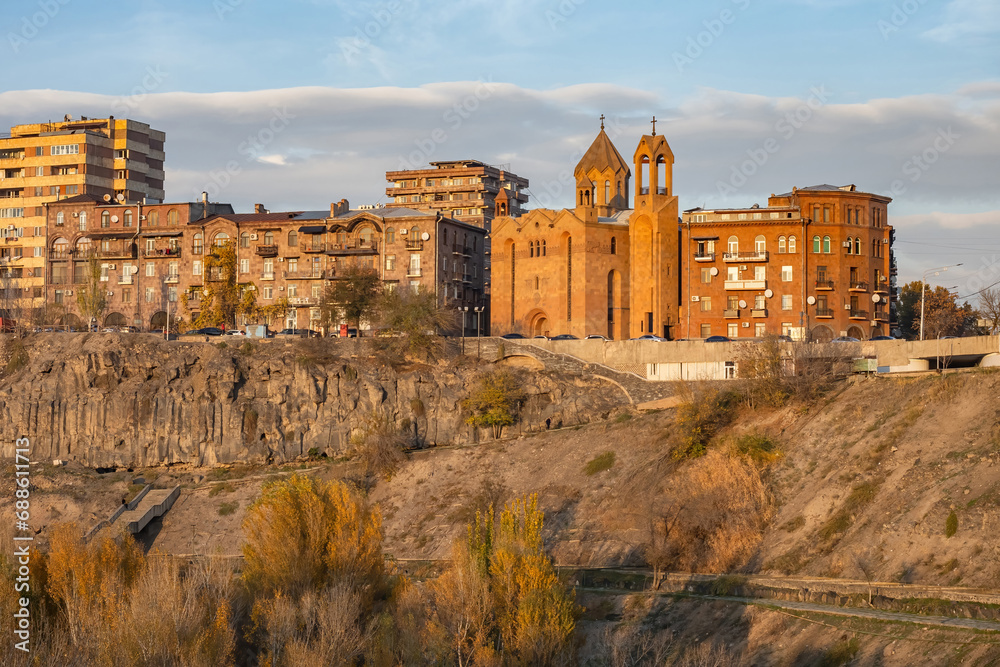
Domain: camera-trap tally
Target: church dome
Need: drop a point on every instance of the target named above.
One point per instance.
(601, 156)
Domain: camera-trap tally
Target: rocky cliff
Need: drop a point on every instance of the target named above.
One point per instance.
(135, 400)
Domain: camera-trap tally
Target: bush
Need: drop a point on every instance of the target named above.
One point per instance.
(600, 463)
(18, 356)
(841, 653)
(951, 524)
(496, 401)
(225, 509)
(698, 419)
(380, 445)
(759, 448)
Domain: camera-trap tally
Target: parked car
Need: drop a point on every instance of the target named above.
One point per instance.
(596, 337)
(236, 332)
(845, 339)
(206, 331)
(298, 333)
(564, 337)
(882, 338)
(513, 336)
(649, 337)
(785, 338)
(718, 339)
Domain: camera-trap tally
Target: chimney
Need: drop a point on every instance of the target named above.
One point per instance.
(340, 208)
(204, 198)
(259, 208)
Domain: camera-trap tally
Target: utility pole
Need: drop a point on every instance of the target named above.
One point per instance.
(479, 330)
(464, 310)
(923, 288)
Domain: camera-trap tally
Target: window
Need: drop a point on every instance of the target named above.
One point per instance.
(786, 301)
(732, 302)
(70, 149)
(268, 238)
(826, 214)
(268, 292)
(614, 246)
(781, 244)
(127, 218)
(758, 302)
(293, 265)
(760, 329)
(706, 330)
(173, 217)
(198, 244)
(269, 267)
(150, 269)
(244, 265)
(293, 291)
(444, 237)
(196, 267)
(817, 244)
(732, 273)
(791, 244)
(245, 240)
(734, 332)
(857, 246)
(60, 219)
(149, 295)
(293, 238)
(153, 218)
(38, 251)
(706, 275)
(543, 248)
(72, 189)
(172, 294)
(734, 245)
(221, 239)
(706, 304)
(390, 262)
(173, 269)
(316, 291)
(760, 273)
(59, 296)
(850, 245)
(786, 274)
(39, 171)
(826, 244)
(759, 244)
(390, 235)
(126, 295)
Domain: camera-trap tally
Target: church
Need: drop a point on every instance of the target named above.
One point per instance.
(601, 267)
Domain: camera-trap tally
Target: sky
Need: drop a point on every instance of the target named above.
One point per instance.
(299, 103)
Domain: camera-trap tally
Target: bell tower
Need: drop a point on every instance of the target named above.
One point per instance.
(654, 238)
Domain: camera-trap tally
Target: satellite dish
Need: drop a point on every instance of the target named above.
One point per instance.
(714, 271)
(133, 269)
(876, 298)
(114, 218)
(107, 197)
(743, 304)
(768, 293)
(120, 197)
(425, 236)
(811, 300)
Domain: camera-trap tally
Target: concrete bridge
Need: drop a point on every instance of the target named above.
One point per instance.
(698, 360)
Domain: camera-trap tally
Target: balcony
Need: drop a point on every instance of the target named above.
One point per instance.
(858, 314)
(467, 278)
(756, 256)
(266, 250)
(161, 252)
(746, 284)
(824, 284)
(303, 301)
(881, 317)
(882, 288)
(414, 244)
(758, 312)
(413, 272)
(309, 274)
(125, 280)
(858, 287)
(731, 314)
(459, 249)
(824, 312)
(312, 247)
(198, 250)
(120, 253)
(704, 257)
(59, 254)
(172, 279)
(267, 275)
(214, 275)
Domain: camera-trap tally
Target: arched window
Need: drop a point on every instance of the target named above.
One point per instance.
(414, 233)
(293, 238)
(83, 219)
(857, 246)
(342, 237)
(826, 244)
(60, 218)
(60, 246)
(850, 245)
(543, 248)
(199, 243)
(791, 244)
(816, 244)
(444, 237)
(874, 247)
(614, 246)
(607, 192)
(221, 239)
(781, 244)
(536, 282)
(759, 244)
(531, 248)
(83, 247)
(366, 235)
(127, 217)
(173, 217)
(390, 235)
(105, 218)
(153, 218)
(734, 245)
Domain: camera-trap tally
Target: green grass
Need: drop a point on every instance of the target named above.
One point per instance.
(860, 497)
(225, 509)
(623, 418)
(600, 463)
(220, 488)
(841, 653)
(951, 524)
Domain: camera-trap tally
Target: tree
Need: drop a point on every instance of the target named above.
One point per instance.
(989, 307)
(412, 319)
(353, 296)
(224, 299)
(942, 314)
(496, 401)
(14, 305)
(380, 443)
(93, 297)
(762, 372)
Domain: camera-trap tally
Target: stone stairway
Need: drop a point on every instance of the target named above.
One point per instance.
(153, 504)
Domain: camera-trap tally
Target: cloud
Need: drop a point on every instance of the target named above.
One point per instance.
(967, 18)
(943, 220)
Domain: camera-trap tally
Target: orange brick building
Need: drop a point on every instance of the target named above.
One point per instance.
(815, 264)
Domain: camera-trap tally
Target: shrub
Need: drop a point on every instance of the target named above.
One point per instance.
(496, 401)
(841, 653)
(951, 524)
(220, 488)
(380, 445)
(698, 419)
(313, 452)
(223, 345)
(18, 356)
(600, 463)
(623, 418)
(247, 348)
(759, 448)
(225, 509)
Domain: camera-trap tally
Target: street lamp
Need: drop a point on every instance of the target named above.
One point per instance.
(464, 310)
(479, 330)
(923, 288)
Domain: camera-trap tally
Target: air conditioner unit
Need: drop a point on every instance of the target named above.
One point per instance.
(69, 292)
(111, 293)
(253, 237)
(696, 298)
(743, 267)
(112, 266)
(281, 289)
(885, 240)
(847, 306)
(746, 325)
(847, 244)
(142, 217)
(281, 259)
(76, 215)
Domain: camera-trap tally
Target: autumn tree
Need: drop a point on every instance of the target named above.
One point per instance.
(762, 369)
(353, 296)
(224, 298)
(501, 601)
(92, 297)
(942, 315)
(380, 442)
(989, 307)
(412, 318)
(496, 401)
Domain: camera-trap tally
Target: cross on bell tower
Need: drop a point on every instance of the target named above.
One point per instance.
(602, 121)
(654, 125)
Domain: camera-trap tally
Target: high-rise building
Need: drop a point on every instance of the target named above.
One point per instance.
(464, 190)
(40, 163)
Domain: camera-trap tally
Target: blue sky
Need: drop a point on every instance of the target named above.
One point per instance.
(302, 102)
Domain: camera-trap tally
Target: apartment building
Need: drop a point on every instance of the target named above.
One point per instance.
(815, 264)
(45, 162)
(464, 190)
